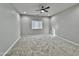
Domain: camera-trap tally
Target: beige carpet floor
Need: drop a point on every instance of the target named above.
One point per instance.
(43, 45)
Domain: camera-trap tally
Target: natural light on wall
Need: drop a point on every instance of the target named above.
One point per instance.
(54, 25)
(54, 34)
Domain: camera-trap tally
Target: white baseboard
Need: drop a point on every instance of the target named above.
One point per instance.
(11, 46)
(68, 40)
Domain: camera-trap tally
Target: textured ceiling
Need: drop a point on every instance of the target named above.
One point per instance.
(30, 8)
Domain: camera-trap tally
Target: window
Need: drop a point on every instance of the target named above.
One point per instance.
(36, 24)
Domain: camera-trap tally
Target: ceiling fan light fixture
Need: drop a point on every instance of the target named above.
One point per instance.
(24, 12)
(42, 11)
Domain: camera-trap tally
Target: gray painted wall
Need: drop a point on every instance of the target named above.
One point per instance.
(68, 24)
(26, 25)
(8, 27)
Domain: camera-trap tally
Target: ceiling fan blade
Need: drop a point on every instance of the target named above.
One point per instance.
(45, 10)
(47, 7)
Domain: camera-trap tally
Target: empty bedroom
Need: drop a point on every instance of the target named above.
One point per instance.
(39, 29)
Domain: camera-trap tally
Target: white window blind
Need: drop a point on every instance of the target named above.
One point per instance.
(36, 24)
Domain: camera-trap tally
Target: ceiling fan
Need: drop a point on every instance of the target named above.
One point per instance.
(43, 9)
